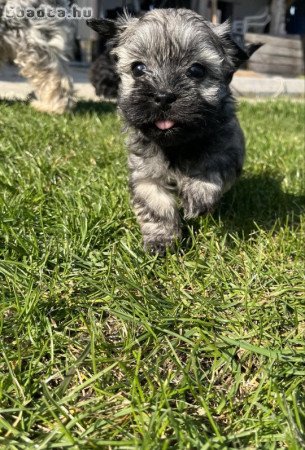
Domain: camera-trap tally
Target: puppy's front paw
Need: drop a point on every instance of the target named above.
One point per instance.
(194, 208)
(158, 245)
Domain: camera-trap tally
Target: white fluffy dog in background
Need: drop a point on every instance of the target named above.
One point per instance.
(40, 47)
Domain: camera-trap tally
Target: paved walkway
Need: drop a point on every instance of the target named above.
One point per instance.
(244, 84)
(14, 86)
(257, 85)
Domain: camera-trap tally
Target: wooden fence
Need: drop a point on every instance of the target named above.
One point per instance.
(278, 55)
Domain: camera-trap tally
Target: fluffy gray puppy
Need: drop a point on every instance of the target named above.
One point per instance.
(186, 147)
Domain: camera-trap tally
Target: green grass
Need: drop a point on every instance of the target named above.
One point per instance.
(104, 346)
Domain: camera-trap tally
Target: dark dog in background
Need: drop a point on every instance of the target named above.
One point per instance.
(102, 74)
(104, 77)
(186, 147)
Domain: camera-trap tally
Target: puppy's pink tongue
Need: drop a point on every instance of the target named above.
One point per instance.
(165, 124)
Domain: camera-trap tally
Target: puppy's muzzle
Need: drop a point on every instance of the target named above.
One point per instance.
(164, 98)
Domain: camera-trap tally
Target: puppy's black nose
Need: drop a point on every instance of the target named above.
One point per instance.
(165, 98)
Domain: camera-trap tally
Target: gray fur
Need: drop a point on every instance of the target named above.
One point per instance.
(193, 163)
(40, 47)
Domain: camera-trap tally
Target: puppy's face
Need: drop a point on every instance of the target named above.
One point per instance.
(175, 68)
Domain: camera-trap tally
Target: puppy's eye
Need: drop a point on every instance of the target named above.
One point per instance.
(196, 71)
(138, 69)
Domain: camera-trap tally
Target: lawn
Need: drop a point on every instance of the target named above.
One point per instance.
(104, 346)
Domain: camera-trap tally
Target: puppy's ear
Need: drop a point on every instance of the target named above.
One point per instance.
(112, 29)
(239, 54)
(106, 28)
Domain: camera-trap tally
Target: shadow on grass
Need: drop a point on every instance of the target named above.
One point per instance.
(13, 102)
(82, 107)
(259, 201)
(255, 202)
(87, 107)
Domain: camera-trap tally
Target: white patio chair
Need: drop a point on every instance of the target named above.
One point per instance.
(256, 23)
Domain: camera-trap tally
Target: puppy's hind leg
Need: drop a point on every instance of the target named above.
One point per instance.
(157, 213)
(47, 70)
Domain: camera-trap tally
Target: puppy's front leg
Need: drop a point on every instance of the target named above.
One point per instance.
(202, 185)
(157, 213)
(199, 195)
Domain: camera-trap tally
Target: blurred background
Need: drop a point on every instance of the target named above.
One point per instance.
(277, 68)
(279, 24)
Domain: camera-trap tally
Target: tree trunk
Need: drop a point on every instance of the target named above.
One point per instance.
(277, 25)
(303, 47)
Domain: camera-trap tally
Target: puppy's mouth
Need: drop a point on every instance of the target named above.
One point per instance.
(165, 124)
